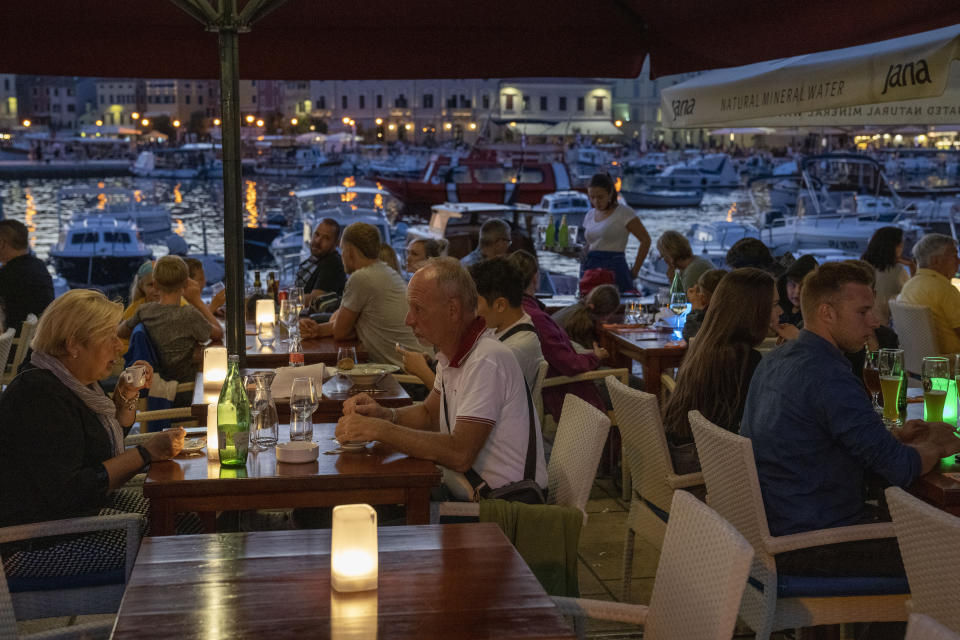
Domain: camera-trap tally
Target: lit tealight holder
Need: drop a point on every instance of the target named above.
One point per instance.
(266, 312)
(213, 449)
(353, 548)
(214, 367)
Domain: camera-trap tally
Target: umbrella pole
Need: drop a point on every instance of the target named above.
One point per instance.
(232, 222)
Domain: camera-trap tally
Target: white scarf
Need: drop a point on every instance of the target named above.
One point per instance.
(92, 396)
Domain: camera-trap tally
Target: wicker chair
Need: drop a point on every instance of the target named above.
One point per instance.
(923, 627)
(917, 334)
(8, 623)
(771, 601)
(72, 595)
(651, 470)
(20, 346)
(6, 343)
(573, 464)
(927, 538)
(701, 577)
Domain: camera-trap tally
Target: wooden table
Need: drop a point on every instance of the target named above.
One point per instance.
(378, 475)
(389, 393)
(934, 487)
(314, 350)
(440, 581)
(651, 348)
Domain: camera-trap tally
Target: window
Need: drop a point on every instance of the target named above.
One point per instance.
(485, 100)
(253, 98)
(101, 99)
(343, 102)
(526, 103)
(543, 103)
(115, 236)
(322, 102)
(508, 102)
(562, 103)
(428, 101)
(379, 101)
(186, 99)
(580, 103)
(599, 103)
(82, 238)
(199, 99)
(111, 98)
(6, 84)
(452, 102)
(363, 101)
(400, 102)
(464, 102)
(71, 108)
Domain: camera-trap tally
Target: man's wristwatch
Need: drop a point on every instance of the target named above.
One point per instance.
(145, 454)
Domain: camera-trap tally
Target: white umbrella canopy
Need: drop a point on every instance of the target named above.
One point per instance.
(902, 69)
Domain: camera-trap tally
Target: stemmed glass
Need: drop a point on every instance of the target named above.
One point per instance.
(256, 408)
(678, 304)
(346, 360)
(871, 377)
(289, 318)
(304, 400)
(936, 381)
(891, 377)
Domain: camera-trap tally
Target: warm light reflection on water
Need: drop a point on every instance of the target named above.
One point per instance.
(29, 214)
(253, 217)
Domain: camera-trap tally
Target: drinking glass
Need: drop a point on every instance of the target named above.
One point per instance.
(678, 304)
(289, 318)
(633, 311)
(266, 333)
(304, 400)
(264, 423)
(871, 377)
(346, 360)
(891, 377)
(936, 381)
(295, 296)
(663, 298)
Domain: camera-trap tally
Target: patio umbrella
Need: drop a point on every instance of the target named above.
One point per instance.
(377, 39)
(900, 69)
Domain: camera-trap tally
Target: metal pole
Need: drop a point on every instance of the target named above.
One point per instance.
(232, 179)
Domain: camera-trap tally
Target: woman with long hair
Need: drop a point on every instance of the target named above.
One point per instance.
(885, 254)
(606, 228)
(719, 364)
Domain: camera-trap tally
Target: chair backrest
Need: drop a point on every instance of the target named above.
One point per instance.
(581, 434)
(928, 539)
(917, 334)
(923, 627)
(730, 473)
(537, 391)
(6, 342)
(21, 344)
(702, 573)
(8, 620)
(643, 441)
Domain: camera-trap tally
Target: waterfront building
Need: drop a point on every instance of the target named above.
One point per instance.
(118, 99)
(9, 112)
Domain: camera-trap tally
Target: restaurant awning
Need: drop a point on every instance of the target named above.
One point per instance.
(583, 127)
(902, 69)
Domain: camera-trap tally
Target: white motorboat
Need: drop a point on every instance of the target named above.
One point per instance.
(293, 159)
(99, 252)
(572, 204)
(187, 162)
(346, 205)
(125, 205)
(712, 171)
(662, 198)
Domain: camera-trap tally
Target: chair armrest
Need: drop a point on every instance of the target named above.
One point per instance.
(185, 386)
(686, 480)
(602, 609)
(164, 414)
(460, 509)
(596, 374)
(835, 535)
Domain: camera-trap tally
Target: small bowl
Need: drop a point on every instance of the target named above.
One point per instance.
(366, 375)
(297, 452)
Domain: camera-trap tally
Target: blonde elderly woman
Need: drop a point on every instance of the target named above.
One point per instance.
(62, 453)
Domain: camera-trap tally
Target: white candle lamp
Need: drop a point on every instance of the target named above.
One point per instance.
(353, 548)
(214, 367)
(213, 449)
(266, 312)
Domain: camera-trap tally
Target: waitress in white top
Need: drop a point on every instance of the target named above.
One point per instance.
(606, 228)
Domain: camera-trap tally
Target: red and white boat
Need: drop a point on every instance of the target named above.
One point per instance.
(480, 177)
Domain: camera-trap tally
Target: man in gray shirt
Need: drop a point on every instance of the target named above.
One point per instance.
(374, 305)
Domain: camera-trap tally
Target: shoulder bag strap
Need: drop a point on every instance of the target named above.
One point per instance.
(526, 326)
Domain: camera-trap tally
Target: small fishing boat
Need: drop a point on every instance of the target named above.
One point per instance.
(99, 252)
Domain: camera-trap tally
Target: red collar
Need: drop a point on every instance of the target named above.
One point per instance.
(467, 340)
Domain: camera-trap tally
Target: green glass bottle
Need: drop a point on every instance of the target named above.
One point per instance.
(551, 233)
(564, 239)
(233, 417)
(677, 285)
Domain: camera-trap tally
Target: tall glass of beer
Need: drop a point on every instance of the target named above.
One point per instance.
(936, 381)
(891, 374)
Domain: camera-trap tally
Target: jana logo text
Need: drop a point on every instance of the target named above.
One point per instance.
(683, 107)
(907, 74)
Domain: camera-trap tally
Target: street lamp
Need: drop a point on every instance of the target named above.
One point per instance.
(379, 121)
(216, 122)
(145, 122)
(99, 123)
(27, 123)
(135, 115)
(259, 123)
(250, 119)
(618, 123)
(293, 122)
(176, 123)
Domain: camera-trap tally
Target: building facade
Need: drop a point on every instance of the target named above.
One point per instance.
(9, 105)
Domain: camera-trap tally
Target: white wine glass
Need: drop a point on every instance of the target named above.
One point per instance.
(304, 400)
(678, 304)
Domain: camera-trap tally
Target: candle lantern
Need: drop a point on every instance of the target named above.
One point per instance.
(214, 368)
(266, 312)
(353, 548)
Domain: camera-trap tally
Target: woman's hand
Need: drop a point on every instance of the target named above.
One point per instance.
(600, 352)
(908, 263)
(125, 390)
(166, 444)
